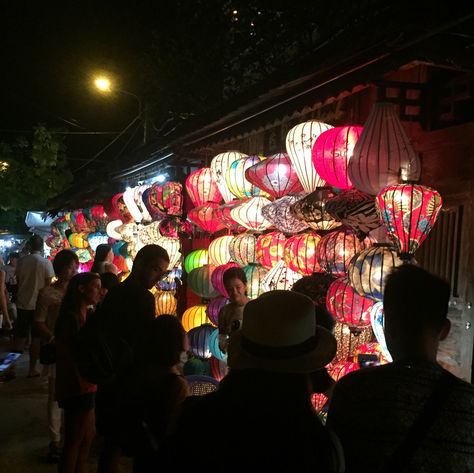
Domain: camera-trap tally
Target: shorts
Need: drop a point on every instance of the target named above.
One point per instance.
(25, 324)
(83, 402)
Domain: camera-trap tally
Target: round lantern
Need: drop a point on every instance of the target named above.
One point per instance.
(220, 164)
(242, 249)
(214, 307)
(383, 152)
(341, 368)
(175, 227)
(217, 278)
(255, 275)
(199, 340)
(194, 317)
(332, 152)
(278, 213)
(369, 269)
(171, 245)
(199, 280)
(299, 144)
(203, 217)
(280, 277)
(301, 253)
(165, 303)
(219, 250)
(270, 248)
(202, 188)
(249, 214)
(349, 338)
(195, 259)
(346, 306)
(311, 210)
(219, 369)
(95, 239)
(222, 215)
(275, 175)
(408, 212)
(336, 249)
(214, 346)
(356, 210)
(236, 181)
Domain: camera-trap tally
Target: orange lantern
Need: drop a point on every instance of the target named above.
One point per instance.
(301, 253)
(165, 303)
(195, 316)
(270, 248)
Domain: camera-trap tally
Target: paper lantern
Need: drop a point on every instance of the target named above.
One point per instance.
(346, 306)
(219, 369)
(167, 198)
(175, 227)
(369, 269)
(408, 212)
(301, 253)
(349, 338)
(199, 280)
(280, 277)
(278, 213)
(332, 152)
(194, 317)
(199, 341)
(242, 249)
(337, 248)
(151, 199)
(377, 322)
(112, 229)
(78, 240)
(203, 217)
(299, 144)
(217, 278)
(275, 175)
(214, 346)
(121, 209)
(214, 307)
(172, 246)
(383, 152)
(255, 275)
(341, 368)
(196, 259)
(356, 210)
(236, 181)
(220, 164)
(222, 215)
(249, 214)
(270, 248)
(202, 188)
(95, 239)
(138, 198)
(129, 199)
(150, 234)
(165, 303)
(219, 253)
(311, 210)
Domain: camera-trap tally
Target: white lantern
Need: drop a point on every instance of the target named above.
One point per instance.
(220, 164)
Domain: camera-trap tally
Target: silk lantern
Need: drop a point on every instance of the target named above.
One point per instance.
(349, 338)
(301, 253)
(383, 152)
(369, 269)
(242, 249)
(129, 199)
(214, 307)
(255, 275)
(202, 188)
(112, 229)
(249, 214)
(165, 303)
(236, 181)
(275, 175)
(408, 212)
(194, 317)
(217, 278)
(172, 246)
(341, 368)
(222, 215)
(332, 152)
(150, 234)
(278, 213)
(196, 259)
(214, 346)
(199, 280)
(280, 277)
(270, 248)
(219, 369)
(220, 164)
(199, 340)
(299, 144)
(219, 253)
(203, 217)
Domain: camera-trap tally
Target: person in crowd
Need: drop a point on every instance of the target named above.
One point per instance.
(410, 415)
(11, 284)
(6, 321)
(230, 316)
(65, 264)
(262, 409)
(75, 395)
(109, 281)
(33, 272)
(104, 260)
(126, 313)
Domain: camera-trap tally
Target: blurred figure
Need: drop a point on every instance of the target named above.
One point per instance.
(109, 281)
(104, 260)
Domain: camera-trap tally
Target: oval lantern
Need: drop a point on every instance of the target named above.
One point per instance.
(278, 213)
(219, 253)
(214, 346)
(408, 212)
(270, 248)
(383, 152)
(249, 214)
(220, 164)
(196, 259)
(301, 253)
(341, 368)
(222, 215)
(242, 249)
(217, 278)
(280, 277)
(214, 307)
(199, 280)
(202, 188)
(236, 181)
(172, 246)
(194, 317)
(203, 217)
(299, 145)
(349, 338)
(165, 303)
(199, 341)
(255, 275)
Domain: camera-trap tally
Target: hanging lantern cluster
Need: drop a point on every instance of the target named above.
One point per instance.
(301, 253)
(202, 188)
(249, 214)
(270, 249)
(278, 213)
(220, 164)
(236, 179)
(242, 249)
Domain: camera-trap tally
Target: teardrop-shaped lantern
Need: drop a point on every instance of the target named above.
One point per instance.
(249, 214)
(242, 249)
(299, 145)
(383, 152)
(194, 317)
(255, 275)
(275, 175)
(196, 259)
(219, 250)
(301, 253)
(220, 164)
(280, 277)
(199, 280)
(222, 214)
(165, 303)
(203, 217)
(237, 183)
(279, 214)
(202, 188)
(270, 249)
(408, 212)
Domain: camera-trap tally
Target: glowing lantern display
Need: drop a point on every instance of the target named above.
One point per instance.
(311, 210)
(270, 248)
(194, 317)
(336, 249)
(120, 208)
(341, 368)
(383, 152)
(175, 227)
(301, 253)
(408, 212)
(219, 253)
(165, 303)
(349, 338)
(356, 210)
(280, 277)
(377, 321)
(129, 199)
(78, 240)
(95, 239)
(196, 259)
(332, 152)
(222, 214)
(249, 214)
(171, 245)
(237, 183)
(214, 346)
(242, 249)
(255, 275)
(219, 368)
(275, 176)
(214, 307)
(202, 188)
(346, 306)
(150, 234)
(369, 269)
(199, 341)
(203, 217)
(278, 213)
(199, 280)
(217, 278)
(299, 145)
(220, 164)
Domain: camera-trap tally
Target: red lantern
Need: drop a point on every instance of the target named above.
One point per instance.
(121, 209)
(217, 278)
(214, 307)
(408, 212)
(301, 253)
(202, 216)
(270, 248)
(222, 214)
(340, 369)
(174, 227)
(275, 175)
(202, 188)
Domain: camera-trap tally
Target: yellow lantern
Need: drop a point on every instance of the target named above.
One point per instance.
(171, 245)
(165, 303)
(194, 317)
(220, 164)
(219, 253)
(238, 183)
(249, 214)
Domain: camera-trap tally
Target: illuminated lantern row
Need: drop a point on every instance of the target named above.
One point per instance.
(349, 338)
(337, 248)
(194, 317)
(301, 253)
(255, 275)
(217, 278)
(214, 346)
(369, 269)
(219, 253)
(203, 217)
(346, 306)
(383, 152)
(280, 277)
(270, 249)
(249, 214)
(165, 303)
(278, 213)
(222, 215)
(275, 175)
(201, 187)
(199, 280)
(242, 249)
(332, 152)
(172, 246)
(408, 212)
(341, 368)
(199, 340)
(236, 181)
(220, 164)
(196, 259)
(214, 307)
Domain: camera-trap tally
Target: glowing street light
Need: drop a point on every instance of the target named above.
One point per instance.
(103, 84)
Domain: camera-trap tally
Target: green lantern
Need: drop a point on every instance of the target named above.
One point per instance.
(196, 259)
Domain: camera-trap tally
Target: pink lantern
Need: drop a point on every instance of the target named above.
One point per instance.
(222, 214)
(249, 214)
(270, 248)
(214, 307)
(301, 253)
(202, 188)
(202, 216)
(217, 278)
(121, 209)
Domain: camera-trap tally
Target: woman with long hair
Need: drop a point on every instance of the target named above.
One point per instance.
(74, 394)
(104, 260)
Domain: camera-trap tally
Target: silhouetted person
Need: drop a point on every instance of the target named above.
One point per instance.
(104, 260)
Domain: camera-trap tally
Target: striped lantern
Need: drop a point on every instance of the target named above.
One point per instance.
(220, 164)
(278, 213)
(349, 338)
(249, 214)
(199, 341)
(219, 369)
(199, 280)
(203, 217)
(214, 307)
(270, 248)
(194, 317)
(222, 215)
(196, 259)
(236, 181)
(255, 275)
(219, 253)
(301, 253)
(242, 249)
(217, 278)
(280, 277)
(201, 187)
(165, 303)
(172, 246)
